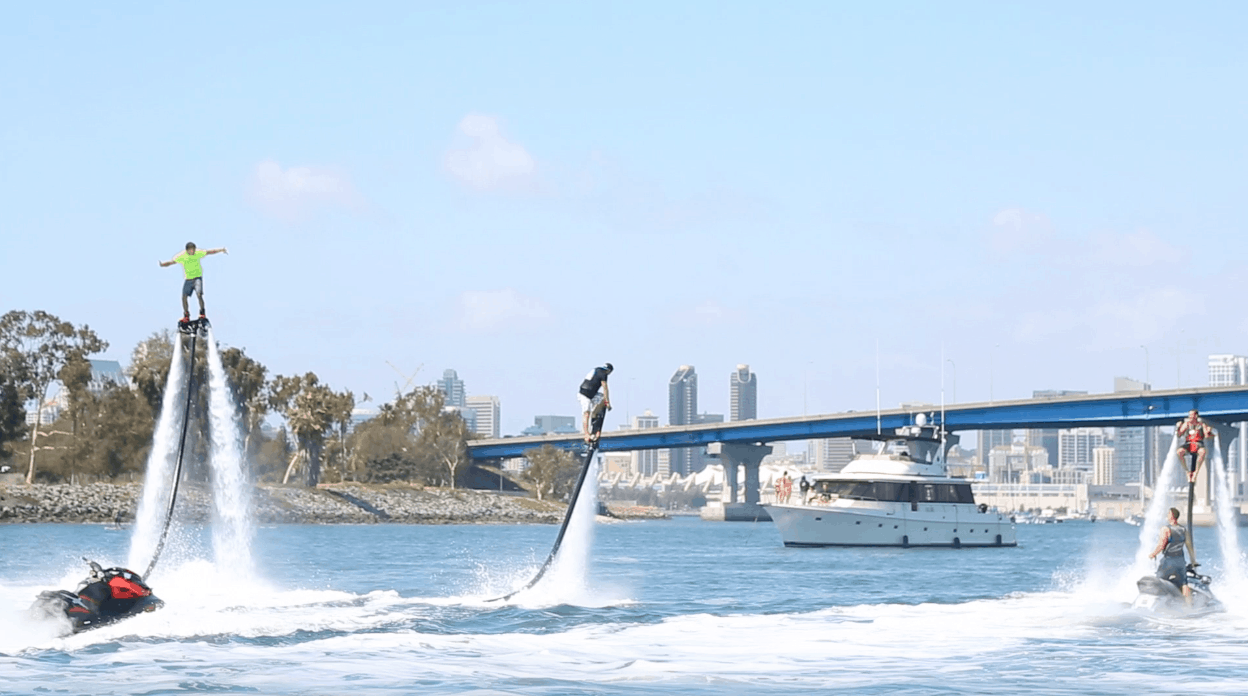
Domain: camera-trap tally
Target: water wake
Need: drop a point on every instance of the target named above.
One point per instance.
(157, 482)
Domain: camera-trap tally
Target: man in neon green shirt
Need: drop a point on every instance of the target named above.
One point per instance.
(194, 275)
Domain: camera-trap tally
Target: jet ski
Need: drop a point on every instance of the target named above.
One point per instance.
(1164, 596)
(106, 596)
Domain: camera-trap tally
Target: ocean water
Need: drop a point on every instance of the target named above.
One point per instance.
(679, 607)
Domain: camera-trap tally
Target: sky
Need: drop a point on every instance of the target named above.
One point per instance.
(974, 200)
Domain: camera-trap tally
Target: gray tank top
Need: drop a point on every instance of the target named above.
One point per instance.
(1178, 538)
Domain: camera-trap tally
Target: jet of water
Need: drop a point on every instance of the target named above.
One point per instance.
(1155, 517)
(232, 528)
(157, 482)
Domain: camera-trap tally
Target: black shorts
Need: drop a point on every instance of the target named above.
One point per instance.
(195, 285)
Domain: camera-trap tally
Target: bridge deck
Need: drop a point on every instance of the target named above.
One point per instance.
(1134, 409)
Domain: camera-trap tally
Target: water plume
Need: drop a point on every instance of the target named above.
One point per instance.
(232, 528)
(157, 482)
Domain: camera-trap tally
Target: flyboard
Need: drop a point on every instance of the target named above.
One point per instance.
(1163, 595)
(108, 595)
(596, 420)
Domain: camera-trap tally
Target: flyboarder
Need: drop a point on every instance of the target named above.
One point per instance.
(1193, 430)
(1173, 566)
(194, 274)
(587, 395)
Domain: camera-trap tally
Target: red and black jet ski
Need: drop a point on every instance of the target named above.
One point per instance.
(107, 595)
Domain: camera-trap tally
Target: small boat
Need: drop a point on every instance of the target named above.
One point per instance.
(106, 596)
(898, 495)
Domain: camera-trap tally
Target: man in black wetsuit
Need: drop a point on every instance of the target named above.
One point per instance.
(1173, 566)
(587, 396)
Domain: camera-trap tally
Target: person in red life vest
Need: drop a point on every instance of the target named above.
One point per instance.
(1192, 432)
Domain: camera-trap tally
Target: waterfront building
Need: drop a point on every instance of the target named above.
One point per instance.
(990, 440)
(486, 409)
(743, 386)
(1017, 462)
(452, 388)
(1133, 447)
(616, 463)
(830, 454)
(682, 409)
(1048, 437)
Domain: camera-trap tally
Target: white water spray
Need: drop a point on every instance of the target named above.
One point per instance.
(232, 528)
(1228, 532)
(158, 481)
(1158, 508)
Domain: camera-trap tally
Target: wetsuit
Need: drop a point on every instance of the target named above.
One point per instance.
(1173, 566)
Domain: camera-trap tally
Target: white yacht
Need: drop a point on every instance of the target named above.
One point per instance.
(898, 495)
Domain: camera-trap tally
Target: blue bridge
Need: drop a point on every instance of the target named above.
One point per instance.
(744, 442)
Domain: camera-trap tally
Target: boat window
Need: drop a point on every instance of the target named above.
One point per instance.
(885, 491)
(944, 493)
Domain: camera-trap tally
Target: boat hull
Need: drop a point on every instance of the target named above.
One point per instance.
(891, 525)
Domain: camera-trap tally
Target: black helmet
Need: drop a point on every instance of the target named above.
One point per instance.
(609, 367)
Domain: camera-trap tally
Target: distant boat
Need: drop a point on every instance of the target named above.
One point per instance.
(899, 495)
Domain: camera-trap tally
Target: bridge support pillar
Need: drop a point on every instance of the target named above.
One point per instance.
(733, 455)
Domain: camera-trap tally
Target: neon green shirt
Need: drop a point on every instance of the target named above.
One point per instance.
(190, 263)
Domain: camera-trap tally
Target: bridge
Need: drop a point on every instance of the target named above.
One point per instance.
(743, 442)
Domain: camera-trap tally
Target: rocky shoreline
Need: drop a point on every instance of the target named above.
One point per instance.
(273, 504)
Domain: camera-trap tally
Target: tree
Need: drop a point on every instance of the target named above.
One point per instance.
(44, 344)
(12, 412)
(309, 409)
(149, 368)
(553, 471)
(247, 381)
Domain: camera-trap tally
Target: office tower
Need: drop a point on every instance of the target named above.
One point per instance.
(743, 386)
(1229, 371)
(831, 454)
(646, 462)
(988, 439)
(1047, 437)
(1103, 468)
(682, 409)
(486, 408)
(1075, 447)
(452, 388)
(1133, 447)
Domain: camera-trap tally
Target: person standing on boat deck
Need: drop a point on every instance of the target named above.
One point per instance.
(588, 393)
(804, 487)
(1193, 430)
(1173, 566)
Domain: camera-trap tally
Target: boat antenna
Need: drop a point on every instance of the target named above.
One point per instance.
(877, 387)
(942, 401)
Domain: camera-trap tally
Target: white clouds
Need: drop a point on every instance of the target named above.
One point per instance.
(491, 310)
(1016, 230)
(490, 161)
(294, 192)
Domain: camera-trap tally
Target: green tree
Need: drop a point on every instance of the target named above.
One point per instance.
(44, 344)
(12, 412)
(553, 471)
(247, 379)
(149, 368)
(310, 409)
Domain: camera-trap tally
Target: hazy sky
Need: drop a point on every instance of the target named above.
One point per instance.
(520, 191)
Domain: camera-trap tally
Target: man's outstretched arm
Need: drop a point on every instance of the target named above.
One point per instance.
(166, 263)
(217, 251)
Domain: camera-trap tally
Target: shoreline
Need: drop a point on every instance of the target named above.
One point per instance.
(339, 503)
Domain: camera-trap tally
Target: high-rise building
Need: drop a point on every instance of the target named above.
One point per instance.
(487, 410)
(1133, 447)
(646, 462)
(1075, 447)
(682, 409)
(830, 454)
(452, 388)
(744, 391)
(552, 425)
(1047, 437)
(1104, 471)
(990, 439)
(1228, 371)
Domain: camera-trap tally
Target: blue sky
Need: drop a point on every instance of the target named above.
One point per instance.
(1050, 193)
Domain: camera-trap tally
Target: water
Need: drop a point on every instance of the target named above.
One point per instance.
(665, 607)
(157, 481)
(232, 528)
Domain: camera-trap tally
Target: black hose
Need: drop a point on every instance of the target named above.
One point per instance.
(177, 471)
